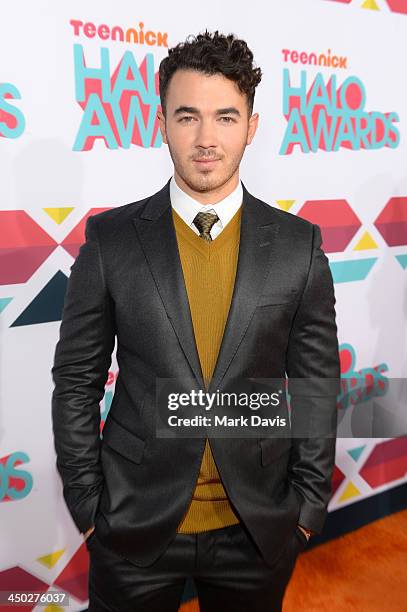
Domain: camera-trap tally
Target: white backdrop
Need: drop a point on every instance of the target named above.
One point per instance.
(47, 189)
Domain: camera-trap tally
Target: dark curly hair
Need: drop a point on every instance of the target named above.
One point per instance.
(212, 54)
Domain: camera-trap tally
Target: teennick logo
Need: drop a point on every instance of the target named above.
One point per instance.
(119, 103)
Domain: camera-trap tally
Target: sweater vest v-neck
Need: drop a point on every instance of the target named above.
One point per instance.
(209, 270)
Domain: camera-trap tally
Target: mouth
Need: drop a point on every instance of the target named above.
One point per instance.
(206, 162)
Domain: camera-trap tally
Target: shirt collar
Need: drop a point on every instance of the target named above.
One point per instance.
(187, 207)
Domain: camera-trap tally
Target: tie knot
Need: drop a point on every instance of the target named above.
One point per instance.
(204, 222)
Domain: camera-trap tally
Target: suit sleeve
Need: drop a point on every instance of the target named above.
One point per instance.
(313, 371)
(81, 363)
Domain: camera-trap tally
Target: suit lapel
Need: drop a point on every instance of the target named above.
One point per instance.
(257, 242)
(157, 236)
(158, 239)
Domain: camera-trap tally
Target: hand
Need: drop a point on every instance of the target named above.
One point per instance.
(88, 532)
(306, 532)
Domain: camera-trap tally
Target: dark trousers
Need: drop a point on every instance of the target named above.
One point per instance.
(226, 565)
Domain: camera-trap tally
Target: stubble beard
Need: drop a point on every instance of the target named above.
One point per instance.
(205, 180)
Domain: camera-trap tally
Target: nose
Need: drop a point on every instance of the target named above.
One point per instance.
(206, 136)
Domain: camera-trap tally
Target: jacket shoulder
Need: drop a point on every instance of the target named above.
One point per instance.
(292, 223)
(119, 213)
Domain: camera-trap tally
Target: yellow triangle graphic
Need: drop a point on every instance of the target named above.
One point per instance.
(349, 492)
(53, 608)
(50, 560)
(58, 214)
(366, 242)
(285, 204)
(370, 4)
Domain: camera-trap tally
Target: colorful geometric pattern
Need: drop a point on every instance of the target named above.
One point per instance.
(355, 453)
(5, 301)
(285, 204)
(58, 214)
(371, 5)
(72, 579)
(51, 559)
(76, 237)
(377, 463)
(350, 492)
(337, 479)
(338, 222)
(397, 6)
(24, 246)
(402, 259)
(392, 222)
(74, 576)
(47, 305)
(365, 243)
(18, 579)
(386, 462)
(348, 271)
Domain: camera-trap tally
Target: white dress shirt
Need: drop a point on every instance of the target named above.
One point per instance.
(187, 207)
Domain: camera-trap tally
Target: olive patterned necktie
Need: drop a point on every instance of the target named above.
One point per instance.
(204, 222)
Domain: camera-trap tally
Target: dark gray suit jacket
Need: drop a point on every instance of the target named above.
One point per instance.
(127, 282)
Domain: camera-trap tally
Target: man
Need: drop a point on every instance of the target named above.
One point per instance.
(201, 281)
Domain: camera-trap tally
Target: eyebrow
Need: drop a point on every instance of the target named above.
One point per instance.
(229, 110)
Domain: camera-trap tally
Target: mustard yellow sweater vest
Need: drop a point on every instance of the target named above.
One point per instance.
(209, 270)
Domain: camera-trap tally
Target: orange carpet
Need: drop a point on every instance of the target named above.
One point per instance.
(363, 571)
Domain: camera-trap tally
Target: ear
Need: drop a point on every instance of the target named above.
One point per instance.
(161, 119)
(253, 124)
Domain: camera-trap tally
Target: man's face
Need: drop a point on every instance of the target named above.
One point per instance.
(207, 129)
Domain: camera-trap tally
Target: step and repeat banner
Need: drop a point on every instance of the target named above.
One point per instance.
(78, 135)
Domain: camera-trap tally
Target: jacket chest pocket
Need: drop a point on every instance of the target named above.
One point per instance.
(279, 297)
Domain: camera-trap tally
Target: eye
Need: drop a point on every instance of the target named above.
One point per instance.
(185, 119)
(228, 119)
